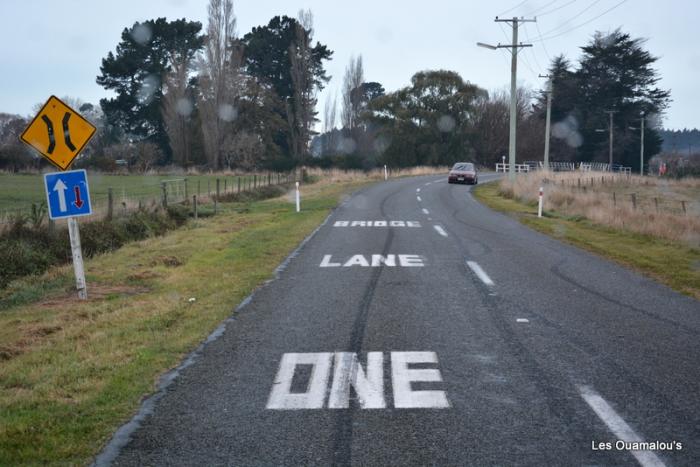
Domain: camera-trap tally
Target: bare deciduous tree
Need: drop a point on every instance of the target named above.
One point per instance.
(330, 116)
(300, 113)
(354, 77)
(176, 108)
(218, 79)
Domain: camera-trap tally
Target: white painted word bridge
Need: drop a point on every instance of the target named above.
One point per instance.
(325, 379)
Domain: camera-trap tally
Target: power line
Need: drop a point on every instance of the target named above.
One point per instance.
(543, 7)
(532, 52)
(544, 47)
(561, 25)
(580, 25)
(513, 8)
(557, 8)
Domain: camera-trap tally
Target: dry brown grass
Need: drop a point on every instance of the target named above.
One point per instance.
(339, 175)
(668, 209)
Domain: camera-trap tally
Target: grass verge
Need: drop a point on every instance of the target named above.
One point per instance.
(672, 263)
(71, 372)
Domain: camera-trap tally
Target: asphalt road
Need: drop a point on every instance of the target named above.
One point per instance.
(479, 342)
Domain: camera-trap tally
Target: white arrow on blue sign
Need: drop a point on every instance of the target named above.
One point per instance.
(67, 194)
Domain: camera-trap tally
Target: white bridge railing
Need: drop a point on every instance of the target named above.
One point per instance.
(530, 166)
(518, 167)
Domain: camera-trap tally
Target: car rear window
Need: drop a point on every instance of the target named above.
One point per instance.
(463, 166)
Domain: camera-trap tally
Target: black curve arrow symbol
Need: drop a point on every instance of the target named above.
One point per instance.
(66, 132)
(49, 129)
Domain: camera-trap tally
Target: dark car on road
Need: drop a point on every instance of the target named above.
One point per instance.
(463, 172)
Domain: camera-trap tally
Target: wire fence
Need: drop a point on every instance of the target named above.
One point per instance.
(108, 201)
(624, 191)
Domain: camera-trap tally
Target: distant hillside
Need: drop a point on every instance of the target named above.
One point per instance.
(682, 141)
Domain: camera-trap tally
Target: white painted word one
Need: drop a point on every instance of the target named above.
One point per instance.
(331, 389)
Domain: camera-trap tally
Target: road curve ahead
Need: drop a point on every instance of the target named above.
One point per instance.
(418, 327)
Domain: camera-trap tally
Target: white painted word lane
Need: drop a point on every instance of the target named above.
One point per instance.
(324, 379)
(374, 261)
(413, 224)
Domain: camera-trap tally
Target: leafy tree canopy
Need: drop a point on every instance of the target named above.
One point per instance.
(427, 122)
(267, 55)
(135, 73)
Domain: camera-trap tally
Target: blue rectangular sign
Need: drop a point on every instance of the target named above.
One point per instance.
(67, 194)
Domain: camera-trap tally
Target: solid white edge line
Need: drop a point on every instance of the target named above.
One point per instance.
(440, 230)
(474, 266)
(425, 211)
(618, 426)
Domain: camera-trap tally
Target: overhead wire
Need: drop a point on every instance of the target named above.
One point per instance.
(544, 47)
(513, 8)
(534, 12)
(532, 52)
(557, 8)
(561, 25)
(541, 39)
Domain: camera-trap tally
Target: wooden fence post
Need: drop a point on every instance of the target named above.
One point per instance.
(165, 195)
(656, 204)
(194, 205)
(110, 203)
(187, 197)
(239, 184)
(614, 200)
(634, 200)
(216, 200)
(683, 206)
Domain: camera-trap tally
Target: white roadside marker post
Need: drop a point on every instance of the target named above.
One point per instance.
(539, 204)
(77, 252)
(298, 198)
(386, 176)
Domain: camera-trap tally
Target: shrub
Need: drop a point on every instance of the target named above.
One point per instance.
(31, 249)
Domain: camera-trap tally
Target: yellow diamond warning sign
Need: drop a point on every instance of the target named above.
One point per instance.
(58, 132)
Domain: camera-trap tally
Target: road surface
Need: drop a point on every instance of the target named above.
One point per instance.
(418, 327)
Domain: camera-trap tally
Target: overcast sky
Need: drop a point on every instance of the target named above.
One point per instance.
(55, 47)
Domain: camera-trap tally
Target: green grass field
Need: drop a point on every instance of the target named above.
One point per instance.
(18, 192)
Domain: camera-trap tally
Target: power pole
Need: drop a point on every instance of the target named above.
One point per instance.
(547, 124)
(611, 112)
(641, 150)
(514, 46)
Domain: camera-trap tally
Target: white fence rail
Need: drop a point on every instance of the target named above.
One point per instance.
(530, 166)
(518, 167)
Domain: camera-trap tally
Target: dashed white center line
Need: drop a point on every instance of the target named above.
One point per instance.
(480, 273)
(418, 198)
(522, 320)
(425, 211)
(618, 426)
(440, 230)
(417, 190)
